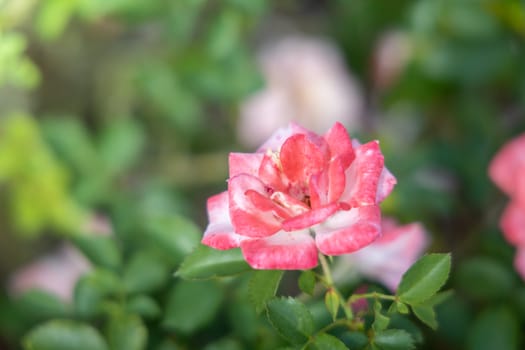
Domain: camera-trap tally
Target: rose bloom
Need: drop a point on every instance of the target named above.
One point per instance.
(56, 273)
(300, 184)
(390, 256)
(507, 170)
(305, 78)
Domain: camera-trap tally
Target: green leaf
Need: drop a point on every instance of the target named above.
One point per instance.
(100, 250)
(495, 328)
(144, 306)
(307, 282)
(126, 332)
(91, 291)
(205, 262)
(263, 286)
(426, 314)
(144, 273)
(38, 305)
(424, 278)
(380, 321)
(354, 339)
(393, 339)
(174, 235)
(191, 305)
(64, 335)
(291, 319)
(398, 306)
(331, 300)
(326, 341)
(485, 278)
(120, 145)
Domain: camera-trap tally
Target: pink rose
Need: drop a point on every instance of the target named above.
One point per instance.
(507, 170)
(56, 273)
(298, 184)
(390, 256)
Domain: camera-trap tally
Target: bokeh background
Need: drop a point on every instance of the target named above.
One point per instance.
(117, 116)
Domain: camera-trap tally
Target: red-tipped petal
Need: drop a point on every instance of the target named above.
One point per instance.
(348, 231)
(220, 234)
(244, 163)
(282, 251)
(277, 139)
(270, 174)
(512, 223)
(362, 177)
(310, 218)
(303, 156)
(340, 144)
(247, 218)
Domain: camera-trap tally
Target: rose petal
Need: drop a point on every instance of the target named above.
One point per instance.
(362, 177)
(387, 181)
(512, 223)
(277, 139)
(310, 218)
(220, 234)
(348, 231)
(244, 163)
(303, 156)
(507, 168)
(283, 250)
(271, 174)
(247, 218)
(391, 255)
(328, 185)
(340, 144)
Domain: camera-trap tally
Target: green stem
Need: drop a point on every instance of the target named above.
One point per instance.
(372, 295)
(326, 271)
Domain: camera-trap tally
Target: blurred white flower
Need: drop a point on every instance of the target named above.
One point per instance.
(306, 82)
(388, 258)
(56, 273)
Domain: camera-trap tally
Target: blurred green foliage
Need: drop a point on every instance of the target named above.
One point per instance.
(127, 109)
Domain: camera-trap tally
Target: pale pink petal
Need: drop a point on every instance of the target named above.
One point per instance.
(310, 218)
(220, 234)
(391, 255)
(244, 163)
(303, 156)
(387, 181)
(340, 144)
(519, 262)
(247, 218)
(362, 177)
(277, 139)
(283, 251)
(512, 223)
(349, 230)
(507, 167)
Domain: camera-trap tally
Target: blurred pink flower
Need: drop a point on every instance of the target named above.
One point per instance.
(390, 256)
(307, 82)
(391, 55)
(296, 183)
(56, 273)
(507, 170)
